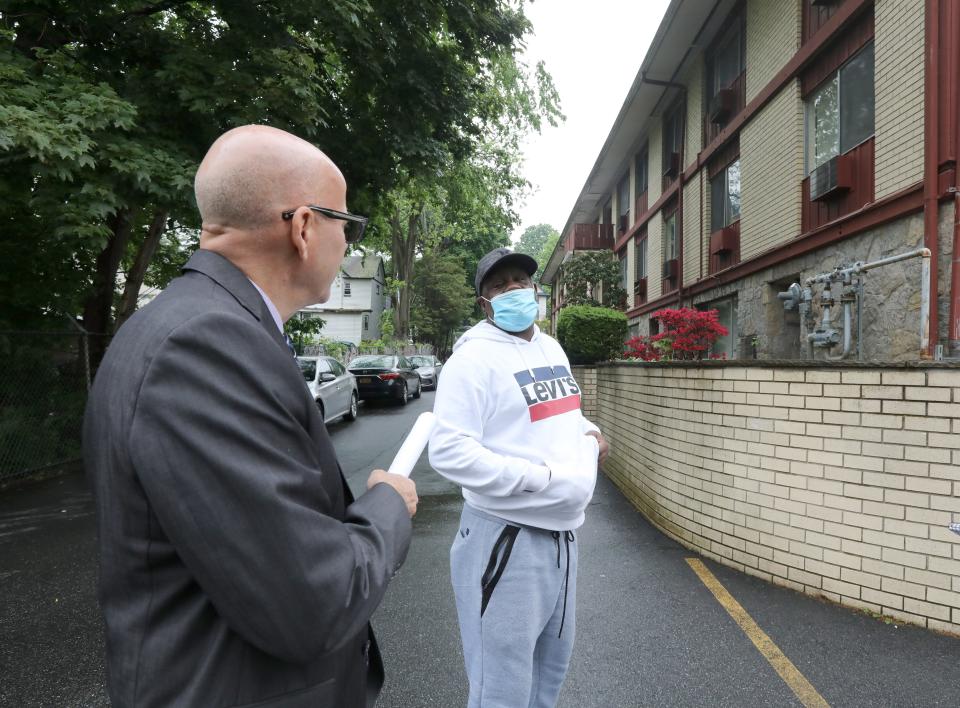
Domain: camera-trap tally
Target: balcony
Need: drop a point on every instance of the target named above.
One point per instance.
(590, 237)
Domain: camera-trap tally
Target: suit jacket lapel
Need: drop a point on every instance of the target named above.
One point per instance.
(233, 280)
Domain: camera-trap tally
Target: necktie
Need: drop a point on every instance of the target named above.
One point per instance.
(286, 338)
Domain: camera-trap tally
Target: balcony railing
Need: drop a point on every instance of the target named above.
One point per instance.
(590, 237)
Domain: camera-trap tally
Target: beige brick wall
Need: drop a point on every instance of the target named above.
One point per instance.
(837, 483)
(898, 79)
(773, 37)
(654, 257)
(692, 229)
(586, 376)
(693, 139)
(771, 164)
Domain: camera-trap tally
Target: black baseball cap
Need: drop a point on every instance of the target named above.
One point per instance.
(499, 257)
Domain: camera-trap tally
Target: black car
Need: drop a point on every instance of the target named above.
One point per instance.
(385, 376)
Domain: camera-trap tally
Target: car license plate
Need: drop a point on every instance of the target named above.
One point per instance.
(364, 379)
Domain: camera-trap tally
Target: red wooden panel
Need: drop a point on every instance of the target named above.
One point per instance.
(817, 213)
(816, 16)
(641, 206)
(850, 41)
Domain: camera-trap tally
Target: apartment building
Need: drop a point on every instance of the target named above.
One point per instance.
(764, 142)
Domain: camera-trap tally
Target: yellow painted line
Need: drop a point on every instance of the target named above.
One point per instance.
(797, 682)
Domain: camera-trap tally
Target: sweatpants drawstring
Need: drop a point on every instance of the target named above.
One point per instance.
(567, 538)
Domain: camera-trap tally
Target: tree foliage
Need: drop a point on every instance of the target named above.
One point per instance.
(303, 330)
(582, 275)
(442, 300)
(107, 107)
(687, 334)
(538, 241)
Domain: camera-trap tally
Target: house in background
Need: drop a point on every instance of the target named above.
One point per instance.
(763, 143)
(358, 296)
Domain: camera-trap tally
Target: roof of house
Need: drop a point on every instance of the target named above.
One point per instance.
(366, 266)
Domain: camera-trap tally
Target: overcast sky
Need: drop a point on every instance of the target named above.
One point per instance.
(593, 50)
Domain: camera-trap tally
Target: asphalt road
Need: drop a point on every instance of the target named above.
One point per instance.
(649, 632)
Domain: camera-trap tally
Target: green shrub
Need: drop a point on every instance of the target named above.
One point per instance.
(589, 334)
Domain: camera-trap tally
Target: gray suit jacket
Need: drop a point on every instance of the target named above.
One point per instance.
(235, 566)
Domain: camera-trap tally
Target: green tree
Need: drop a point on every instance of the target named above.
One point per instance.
(303, 330)
(592, 274)
(107, 107)
(538, 241)
(534, 238)
(442, 300)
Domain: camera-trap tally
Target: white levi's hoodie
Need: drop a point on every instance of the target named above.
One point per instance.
(510, 431)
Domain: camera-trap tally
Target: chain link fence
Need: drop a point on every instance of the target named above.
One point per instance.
(44, 379)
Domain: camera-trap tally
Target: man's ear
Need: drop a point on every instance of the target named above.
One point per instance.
(299, 232)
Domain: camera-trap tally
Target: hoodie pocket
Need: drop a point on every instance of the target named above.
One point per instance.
(572, 483)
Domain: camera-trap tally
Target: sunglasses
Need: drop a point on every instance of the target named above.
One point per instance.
(354, 225)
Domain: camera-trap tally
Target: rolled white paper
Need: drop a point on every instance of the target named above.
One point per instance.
(413, 446)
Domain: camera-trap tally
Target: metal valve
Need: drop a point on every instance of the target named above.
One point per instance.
(791, 297)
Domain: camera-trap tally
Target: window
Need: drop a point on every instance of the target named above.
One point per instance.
(337, 367)
(727, 63)
(725, 196)
(623, 271)
(366, 322)
(640, 269)
(840, 112)
(378, 288)
(727, 316)
(623, 203)
(641, 256)
(641, 173)
(670, 237)
(672, 142)
(346, 288)
(607, 216)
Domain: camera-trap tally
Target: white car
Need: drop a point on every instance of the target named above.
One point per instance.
(428, 366)
(332, 387)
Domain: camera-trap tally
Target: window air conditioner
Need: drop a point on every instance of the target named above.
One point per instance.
(724, 241)
(670, 268)
(833, 178)
(640, 288)
(671, 167)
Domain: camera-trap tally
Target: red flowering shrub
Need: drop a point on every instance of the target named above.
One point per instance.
(687, 334)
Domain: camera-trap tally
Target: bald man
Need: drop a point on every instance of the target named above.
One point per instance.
(236, 568)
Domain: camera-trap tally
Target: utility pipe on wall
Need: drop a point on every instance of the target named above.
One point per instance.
(931, 155)
(845, 274)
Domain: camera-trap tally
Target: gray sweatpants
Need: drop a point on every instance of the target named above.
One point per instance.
(516, 592)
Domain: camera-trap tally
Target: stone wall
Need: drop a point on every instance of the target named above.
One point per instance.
(891, 330)
(837, 482)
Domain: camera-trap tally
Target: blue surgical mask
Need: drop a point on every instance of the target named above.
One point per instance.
(516, 310)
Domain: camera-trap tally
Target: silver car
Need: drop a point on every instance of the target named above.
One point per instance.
(332, 387)
(428, 366)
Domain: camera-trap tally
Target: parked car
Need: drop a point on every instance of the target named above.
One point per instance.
(428, 366)
(332, 387)
(385, 376)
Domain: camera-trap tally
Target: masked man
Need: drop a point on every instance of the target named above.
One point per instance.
(511, 434)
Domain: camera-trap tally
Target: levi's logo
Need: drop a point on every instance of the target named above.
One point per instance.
(549, 392)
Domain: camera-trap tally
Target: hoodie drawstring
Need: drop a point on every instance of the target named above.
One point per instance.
(567, 538)
(543, 354)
